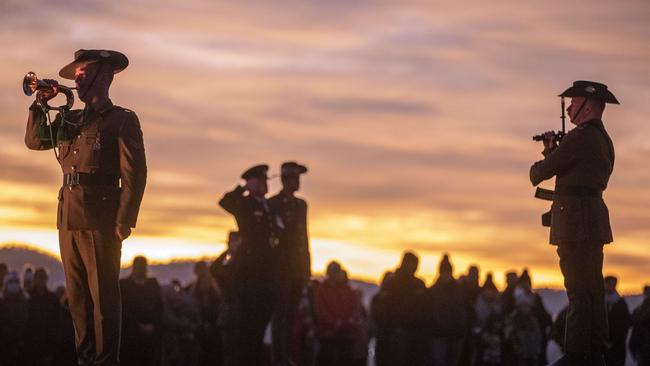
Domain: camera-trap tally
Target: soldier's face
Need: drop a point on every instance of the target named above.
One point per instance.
(257, 187)
(91, 80)
(291, 182)
(574, 107)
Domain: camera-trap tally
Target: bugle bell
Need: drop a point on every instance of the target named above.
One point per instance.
(32, 84)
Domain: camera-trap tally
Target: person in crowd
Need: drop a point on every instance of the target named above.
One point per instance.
(223, 271)
(488, 309)
(142, 311)
(640, 337)
(445, 317)
(381, 322)
(491, 342)
(65, 352)
(339, 317)
(43, 320)
(403, 310)
(206, 292)
(544, 319)
(294, 258)
(13, 322)
(28, 278)
(523, 331)
(508, 295)
(470, 289)
(304, 350)
(3, 273)
(558, 329)
(181, 321)
(619, 320)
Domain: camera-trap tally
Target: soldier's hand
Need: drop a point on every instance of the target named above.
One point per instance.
(122, 232)
(45, 95)
(550, 141)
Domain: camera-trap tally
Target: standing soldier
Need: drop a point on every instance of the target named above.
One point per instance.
(255, 272)
(294, 259)
(101, 153)
(582, 165)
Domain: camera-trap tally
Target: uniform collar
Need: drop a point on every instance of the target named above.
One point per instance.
(89, 111)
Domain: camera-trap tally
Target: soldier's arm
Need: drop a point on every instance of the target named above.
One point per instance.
(232, 200)
(34, 133)
(133, 170)
(559, 160)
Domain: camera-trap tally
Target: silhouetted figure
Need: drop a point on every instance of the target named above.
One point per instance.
(65, 352)
(491, 343)
(381, 323)
(223, 270)
(640, 337)
(205, 291)
(181, 321)
(404, 313)
(488, 310)
(559, 328)
(256, 261)
(13, 322)
(102, 157)
(619, 320)
(581, 165)
(28, 278)
(294, 260)
(508, 305)
(3, 273)
(544, 319)
(142, 312)
(304, 350)
(523, 331)
(445, 314)
(470, 290)
(339, 318)
(44, 323)
(508, 294)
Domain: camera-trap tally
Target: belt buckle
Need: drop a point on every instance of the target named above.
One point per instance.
(72, 179)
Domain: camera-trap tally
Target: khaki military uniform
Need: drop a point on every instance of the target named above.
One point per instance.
(104, 167)
(582, 165)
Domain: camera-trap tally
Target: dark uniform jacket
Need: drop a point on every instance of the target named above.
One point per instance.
(255, 262)
(108, 145)
(295, 262)
(582, 165)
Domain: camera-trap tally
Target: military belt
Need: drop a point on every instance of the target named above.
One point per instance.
(87, 179)
(579, 191)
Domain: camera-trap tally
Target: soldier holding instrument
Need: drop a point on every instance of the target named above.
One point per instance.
(581, 164)
(101, 153)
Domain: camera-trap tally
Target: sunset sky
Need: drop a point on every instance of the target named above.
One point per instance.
(414, 117)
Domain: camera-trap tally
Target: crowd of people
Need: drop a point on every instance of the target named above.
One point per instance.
(455, 321)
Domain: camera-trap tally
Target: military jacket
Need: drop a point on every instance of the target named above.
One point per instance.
(583, 162)
(256, 260)
(294, 242)
(106, 144)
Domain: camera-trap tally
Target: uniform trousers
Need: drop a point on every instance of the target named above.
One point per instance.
(255, 306)
(91, 262)
(586, 323)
